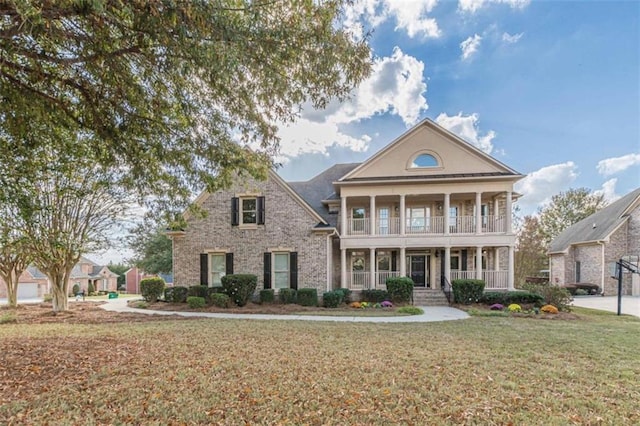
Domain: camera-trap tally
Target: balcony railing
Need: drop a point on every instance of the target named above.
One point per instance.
(428, 226)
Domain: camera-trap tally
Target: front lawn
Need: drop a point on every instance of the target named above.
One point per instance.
(483, 370)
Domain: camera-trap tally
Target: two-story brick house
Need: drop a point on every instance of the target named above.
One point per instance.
(429, 206)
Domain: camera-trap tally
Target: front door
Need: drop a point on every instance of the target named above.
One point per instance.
(417, 269)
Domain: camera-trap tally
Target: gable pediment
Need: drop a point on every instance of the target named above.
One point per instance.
(428, 150)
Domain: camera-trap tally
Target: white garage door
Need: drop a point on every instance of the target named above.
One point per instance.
(27, 290)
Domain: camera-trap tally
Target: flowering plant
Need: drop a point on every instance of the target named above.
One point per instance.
(355, 305)
(514, 307)
(496, 307)
(550, 309)
(386, 304)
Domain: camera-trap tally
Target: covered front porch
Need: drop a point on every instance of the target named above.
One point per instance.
(434, 267)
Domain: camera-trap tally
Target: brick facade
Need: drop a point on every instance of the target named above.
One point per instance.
(288, 227)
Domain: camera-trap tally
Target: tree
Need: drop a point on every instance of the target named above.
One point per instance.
(531, 252)
(153, 251)
(119, 269)
(566, 209)
(174, 92)
(14, 255)
(67, 209)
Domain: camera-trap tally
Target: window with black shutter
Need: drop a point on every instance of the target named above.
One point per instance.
(293, 271)
(204, 269)
(267, 270)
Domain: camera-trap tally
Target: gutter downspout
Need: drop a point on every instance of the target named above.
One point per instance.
(330, 259)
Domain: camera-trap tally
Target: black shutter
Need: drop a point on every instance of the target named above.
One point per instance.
(235, 211)
(228, 264)
(260, 209)
(204, 269)
(267, 270)
(394, 261)
(293, 270)
(442, 275)
(463, 260)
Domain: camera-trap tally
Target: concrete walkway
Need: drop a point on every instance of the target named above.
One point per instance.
(431, 314)
(630, 304)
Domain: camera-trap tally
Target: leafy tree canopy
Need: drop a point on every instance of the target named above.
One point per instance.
(171, 92)
(119, 269)
(566, 209)
(153, 250)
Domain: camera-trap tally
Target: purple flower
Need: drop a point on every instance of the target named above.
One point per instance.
(496, 307)
(386, 304)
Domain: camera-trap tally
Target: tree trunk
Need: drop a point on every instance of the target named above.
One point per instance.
(11, 282)
(60, 299)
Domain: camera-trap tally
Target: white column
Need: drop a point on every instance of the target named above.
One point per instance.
(478, 212)
(372, 268)
(496, 258)
(447, 201)
(372, 215)
(479, 262)
(447, 263)
(403, 212)
(510, 277)
(509, 213)
(343, 268)
(343, 215)
(403, 262)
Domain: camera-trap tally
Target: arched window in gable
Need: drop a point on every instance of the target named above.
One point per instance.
(424, 161)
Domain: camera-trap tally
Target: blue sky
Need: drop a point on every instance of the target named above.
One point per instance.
(552, 89)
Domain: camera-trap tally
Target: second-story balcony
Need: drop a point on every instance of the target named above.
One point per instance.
(435, 225)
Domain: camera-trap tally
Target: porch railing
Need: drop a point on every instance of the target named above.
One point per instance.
(494, 280)
(429, 226)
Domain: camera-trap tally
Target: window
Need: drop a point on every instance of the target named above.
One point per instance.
(358, 221)
(484, 213)
(455, 261)
(217, 269)
(453, 219)
(424, 160)
(280, 270)
(214, 266)
(383, 220)
(418, 219)
(247, 211)
(384, 262)
(357, 261)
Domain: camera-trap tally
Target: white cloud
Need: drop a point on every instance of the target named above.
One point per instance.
(608, 190)
(466, 126)
(538, 187)
(511, 39)
(308, 137)
(410, 16)
(470, 46)
(611, 166)
(472, 6)
(395, 86)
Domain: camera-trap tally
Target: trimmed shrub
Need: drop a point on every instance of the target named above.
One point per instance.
(549, 309)
(76, 289)
(346, 294)
(508, 297)
(332, 299)
(375, 296)
(198, 291)
(581, 292)
(288, 295)
(400, 289)
(48, 297)
(168, 294)
(141, 305)
(151, 288)
(180, 294)
(267, 295)
(91, 288)
(551, 295)
(467, 291)
(196, 302)
(411, 310)
(220, 300)
(308, 297)
(585, 287)
(239, 287)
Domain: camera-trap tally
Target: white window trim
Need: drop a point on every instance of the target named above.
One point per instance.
(210, 270)
(273, 268)
(241, 211)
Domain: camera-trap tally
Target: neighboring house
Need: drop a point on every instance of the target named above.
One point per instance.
(33, 283)
(429, 206)
(134, 275)
(584, 252)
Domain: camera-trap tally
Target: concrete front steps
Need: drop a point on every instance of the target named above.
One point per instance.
(429, 297)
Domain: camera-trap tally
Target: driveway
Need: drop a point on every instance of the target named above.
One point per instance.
(630, 304)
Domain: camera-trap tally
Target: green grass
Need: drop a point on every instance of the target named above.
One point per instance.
(483, 370)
